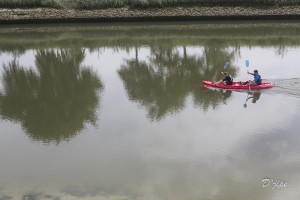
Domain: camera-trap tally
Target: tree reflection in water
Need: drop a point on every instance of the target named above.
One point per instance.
(163, 82)
(55, 101)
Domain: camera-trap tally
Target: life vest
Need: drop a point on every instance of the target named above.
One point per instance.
(229, 80)
(258, 82)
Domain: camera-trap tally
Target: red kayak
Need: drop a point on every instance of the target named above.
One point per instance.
(238, 86)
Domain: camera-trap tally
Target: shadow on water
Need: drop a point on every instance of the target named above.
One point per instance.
(163, 82)
(53, 102)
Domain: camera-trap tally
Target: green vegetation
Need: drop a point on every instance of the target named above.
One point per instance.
(94, 4)
(30, 3)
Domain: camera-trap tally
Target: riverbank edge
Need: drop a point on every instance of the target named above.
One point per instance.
(152, 19)
(48, 15)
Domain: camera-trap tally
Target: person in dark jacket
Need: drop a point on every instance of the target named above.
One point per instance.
(227, 80)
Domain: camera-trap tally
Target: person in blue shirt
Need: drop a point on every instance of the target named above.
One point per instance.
(256, 80)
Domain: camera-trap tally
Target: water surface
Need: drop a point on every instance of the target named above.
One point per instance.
(119, 112)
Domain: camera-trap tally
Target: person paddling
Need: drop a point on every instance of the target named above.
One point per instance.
(256, 80)
(227, 79)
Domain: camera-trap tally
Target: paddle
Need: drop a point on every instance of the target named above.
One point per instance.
(226, 65)
(245, 104)
(247, 65)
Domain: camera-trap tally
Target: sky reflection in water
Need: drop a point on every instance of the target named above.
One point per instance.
(119, 117)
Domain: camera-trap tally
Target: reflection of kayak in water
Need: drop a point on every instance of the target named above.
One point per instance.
(238, 86)
(254, 96)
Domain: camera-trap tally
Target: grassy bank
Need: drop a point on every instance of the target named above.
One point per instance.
(95, 4)
(31, 3)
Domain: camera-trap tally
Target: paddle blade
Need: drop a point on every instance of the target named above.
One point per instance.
(247, 63)
(226, 65)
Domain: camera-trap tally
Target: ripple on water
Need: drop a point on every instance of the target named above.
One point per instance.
(289, 87)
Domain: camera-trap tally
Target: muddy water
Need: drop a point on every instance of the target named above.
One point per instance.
(119, 112)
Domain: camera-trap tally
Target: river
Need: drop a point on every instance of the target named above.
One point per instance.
(118, 111)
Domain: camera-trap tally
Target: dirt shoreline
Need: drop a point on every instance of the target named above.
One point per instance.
(48, 15)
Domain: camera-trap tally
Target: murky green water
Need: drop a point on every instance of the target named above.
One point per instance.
(119, 112)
